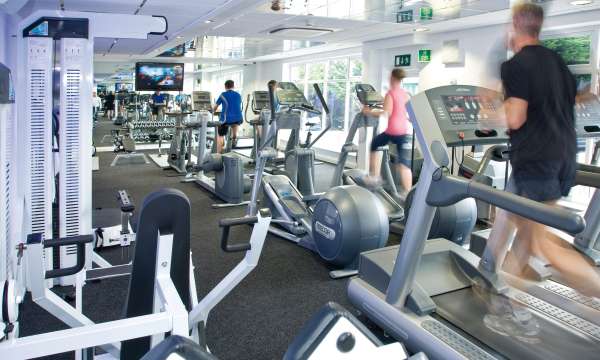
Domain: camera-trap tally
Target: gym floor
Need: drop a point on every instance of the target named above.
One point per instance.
(259, 318)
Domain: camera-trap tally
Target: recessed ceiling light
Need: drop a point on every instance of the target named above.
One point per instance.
(420, 29)
(209, 21)
(581, 2)
(179, 37)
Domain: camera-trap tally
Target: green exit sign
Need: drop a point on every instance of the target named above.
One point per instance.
(426, 13)
(402, 60)
(424, 55)
(404, 16)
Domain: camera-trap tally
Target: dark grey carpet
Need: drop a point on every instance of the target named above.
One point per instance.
(259, 318)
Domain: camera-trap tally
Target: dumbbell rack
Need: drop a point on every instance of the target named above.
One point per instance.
(151, 130)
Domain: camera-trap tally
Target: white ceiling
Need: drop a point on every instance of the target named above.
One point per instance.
(180, 13)
(354, 22)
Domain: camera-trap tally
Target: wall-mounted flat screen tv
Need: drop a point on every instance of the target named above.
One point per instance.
(158, 76)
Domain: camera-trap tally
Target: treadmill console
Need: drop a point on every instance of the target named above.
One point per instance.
(260, 101)
(202, 101)
(368, 96)
(289, 95)
(466, 116)
(587, 118)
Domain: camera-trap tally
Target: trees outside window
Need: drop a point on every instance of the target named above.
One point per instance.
(336, 77)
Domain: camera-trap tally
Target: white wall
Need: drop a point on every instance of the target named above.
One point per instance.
(481, 49)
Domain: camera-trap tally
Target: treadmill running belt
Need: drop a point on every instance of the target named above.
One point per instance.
(466, 309)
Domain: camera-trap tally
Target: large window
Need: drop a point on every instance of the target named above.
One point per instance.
(336, 77)
(218, 82)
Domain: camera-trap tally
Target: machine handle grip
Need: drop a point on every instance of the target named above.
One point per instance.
(226, 225)
(588, 168)
(587, 178)
(555, 217)
(306, 108)
(246, 108)
(328, 118)
(321, 98)
(272, 103)
(80, 241)
(452, 189)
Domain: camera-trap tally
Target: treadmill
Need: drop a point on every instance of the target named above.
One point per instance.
(588, 126)
(543, 281)
(422, 292)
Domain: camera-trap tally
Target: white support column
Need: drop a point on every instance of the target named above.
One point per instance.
(34, 101)
(372, 74)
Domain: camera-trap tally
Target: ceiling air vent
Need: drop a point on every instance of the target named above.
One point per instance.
(300, 31)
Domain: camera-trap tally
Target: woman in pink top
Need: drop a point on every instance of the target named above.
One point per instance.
(397, 132)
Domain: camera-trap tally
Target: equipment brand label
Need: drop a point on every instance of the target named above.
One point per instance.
(325, 231)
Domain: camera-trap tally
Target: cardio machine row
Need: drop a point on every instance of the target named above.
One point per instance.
(430, 278)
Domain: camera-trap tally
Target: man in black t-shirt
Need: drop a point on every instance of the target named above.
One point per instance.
(539, 104)
(540, 97)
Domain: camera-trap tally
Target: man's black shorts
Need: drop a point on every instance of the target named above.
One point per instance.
(543, 180)
(224, 128)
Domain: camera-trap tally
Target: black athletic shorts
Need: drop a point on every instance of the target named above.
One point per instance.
(403, 144)
(155, 110)
(224, 128)
(543, 180)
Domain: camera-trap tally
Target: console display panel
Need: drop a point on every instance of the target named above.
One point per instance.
(289, 94)
(471, 109)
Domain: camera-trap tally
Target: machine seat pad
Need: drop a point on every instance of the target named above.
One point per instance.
(153, 219)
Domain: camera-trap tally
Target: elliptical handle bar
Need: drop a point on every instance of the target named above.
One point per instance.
(327, 115)
(272, 103)
(321, 98)
(246, 109)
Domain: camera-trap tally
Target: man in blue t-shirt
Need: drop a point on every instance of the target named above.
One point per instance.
(231, 114)
(158, 104)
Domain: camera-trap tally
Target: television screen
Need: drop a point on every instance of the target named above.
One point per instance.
(158, 76)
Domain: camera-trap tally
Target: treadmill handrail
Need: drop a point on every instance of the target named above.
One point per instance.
(450, 189)
(586, 178)
(588, 168)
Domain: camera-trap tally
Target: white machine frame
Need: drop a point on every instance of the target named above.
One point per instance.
(170, 314)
